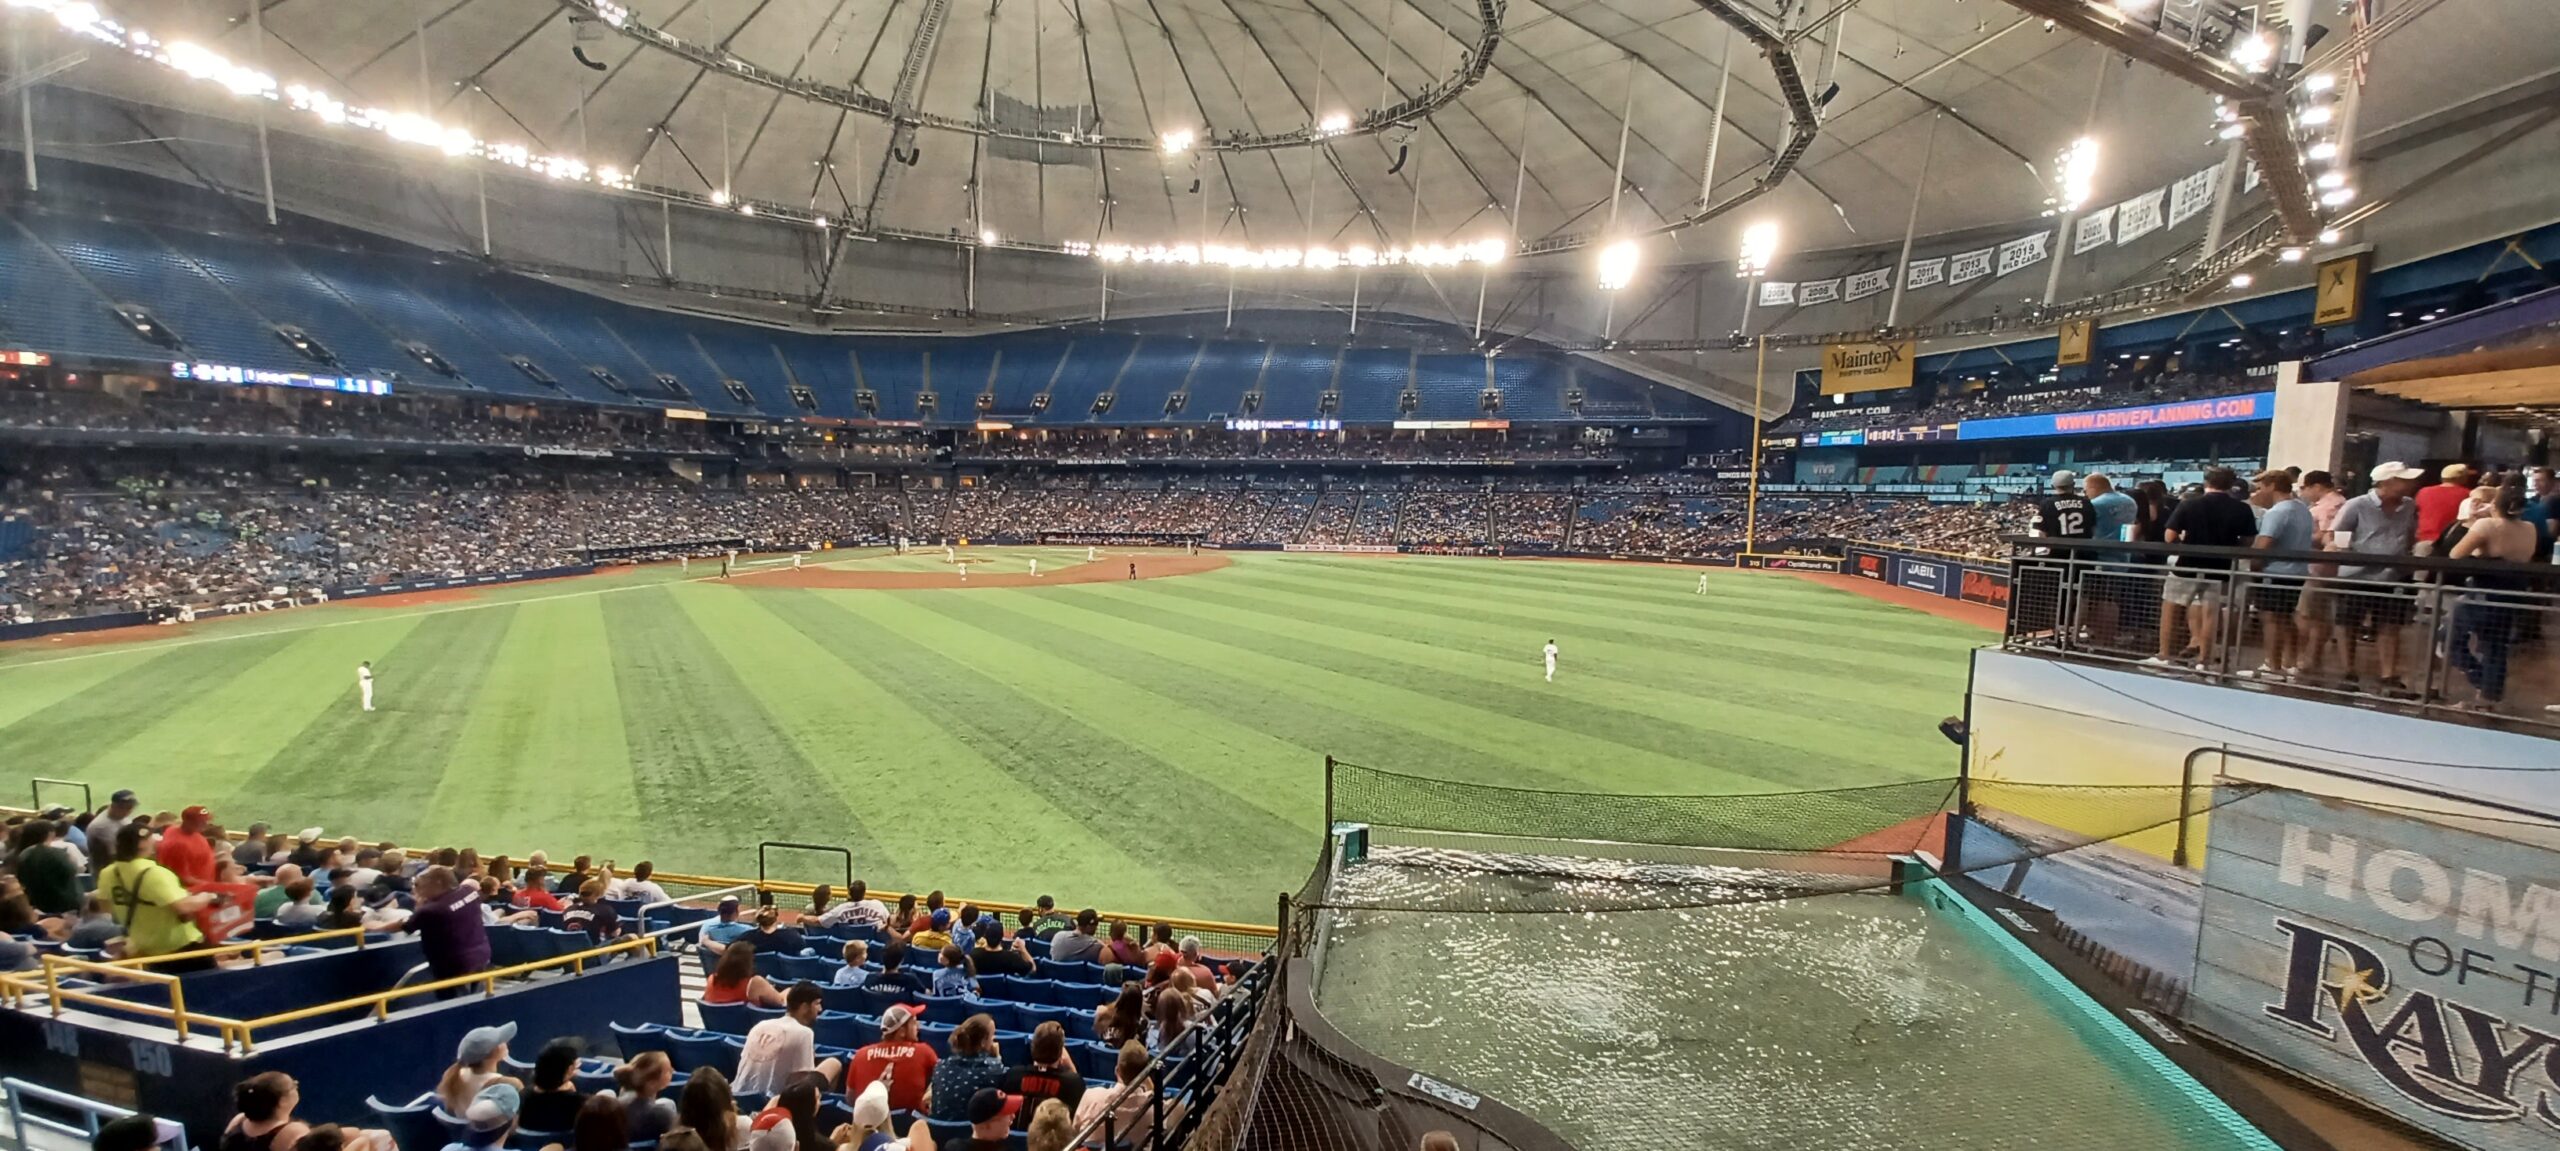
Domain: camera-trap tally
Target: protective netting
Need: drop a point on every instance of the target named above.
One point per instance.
(1576, 853)
(1764, 821)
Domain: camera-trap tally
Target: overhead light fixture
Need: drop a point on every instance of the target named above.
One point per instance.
(2319, 82)
(1759, 250)
(988, 237)
(2332, 179)
(2242, 279)
(2328, 235)
(1178, 141)
(2079, 165)
(2316, 115)
(2253, 52)
(2291, 255)
(2324, 150)
(2231, 131)
(1618, 265)
(1334, 124)
(746, 209)
(720, 196)
(2337, 196)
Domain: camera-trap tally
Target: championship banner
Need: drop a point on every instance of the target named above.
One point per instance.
(2139, 216)
(2022, 252)
(1866, 367)
(2404, 959)
(2093, 230)
(2338, 297)
(1777, 295)
(1972, 265)
(2249, 183)
(2191, 195)
(1865, 284)
(1813, 292)
(2078, 343)
(1923, 273)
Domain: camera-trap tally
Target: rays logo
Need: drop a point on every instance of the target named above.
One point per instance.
(2450, 1058)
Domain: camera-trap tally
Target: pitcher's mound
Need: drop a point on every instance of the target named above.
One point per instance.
(1106, 570)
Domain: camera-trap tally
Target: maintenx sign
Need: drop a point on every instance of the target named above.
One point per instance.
(2409, 961)
(1866, 367)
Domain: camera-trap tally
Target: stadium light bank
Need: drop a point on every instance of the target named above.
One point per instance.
(204, 64)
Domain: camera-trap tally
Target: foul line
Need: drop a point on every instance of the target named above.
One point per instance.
(102, 651)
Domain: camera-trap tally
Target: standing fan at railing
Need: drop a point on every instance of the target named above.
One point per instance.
(2484, 623)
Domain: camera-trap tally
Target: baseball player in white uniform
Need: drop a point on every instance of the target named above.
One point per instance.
(1090, 554)
(364, 683)
(949, 555)
(1702, 583)
(1551, 661)
(1035, 568)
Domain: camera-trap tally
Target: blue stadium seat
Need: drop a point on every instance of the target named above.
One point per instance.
(412, 1124)
(1098, 1062)
(769, 964)
(454, 1127)
(879, 1002)
(1077, 972)
(945, 1130)
(819, 968)
(695, 1050)
(1007, 1015)
(733, 1018)
(845, 1029)
(631, 1041)
(937, 1036)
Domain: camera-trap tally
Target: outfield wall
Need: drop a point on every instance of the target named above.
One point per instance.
(1937, 573)
(112, 620)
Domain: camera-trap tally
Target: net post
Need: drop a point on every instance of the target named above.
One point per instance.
(1328, 794)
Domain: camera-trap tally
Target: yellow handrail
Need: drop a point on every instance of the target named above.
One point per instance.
(257, 949)
(381, 1001)
(783, 887)
(176, 1012)
(787, 887)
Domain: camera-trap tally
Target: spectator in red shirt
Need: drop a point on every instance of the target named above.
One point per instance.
(899, 1057)
(535, 894)
(2440, 504)
(186, 851)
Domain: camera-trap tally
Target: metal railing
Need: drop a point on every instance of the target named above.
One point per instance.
(16, 986)
(93, 1115)
(1184, 1078)
(2469, 639)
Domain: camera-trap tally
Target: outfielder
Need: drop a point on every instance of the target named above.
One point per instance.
(1551, 661)
(364, 683)
(1702, 583)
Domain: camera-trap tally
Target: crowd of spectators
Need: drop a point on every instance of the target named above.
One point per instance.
(1986, 403)
(163, 882)
(84, 538)
(1220, 446)
(234, 412)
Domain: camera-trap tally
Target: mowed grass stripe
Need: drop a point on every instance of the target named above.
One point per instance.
(1299, 707)
(373, 773)
(908, 756)
(712, 773)
(1582, 703)
(1103, 781)
(1750, 616)
(1201, 742)
(789, 677)
(1710, 686)
(32, 690)
(545, 738)
(1703, 663)
(1291, 654)
(73, 732)
(225, 735)
(1672, 587)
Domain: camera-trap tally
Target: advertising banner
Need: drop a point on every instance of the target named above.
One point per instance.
(1937, 577)
(2183, 414)
(1788, 562)
(2339, 296)
(1866, 367)
(1872, 565)
(2403, 958)
(1985, 587)
(2078, 342)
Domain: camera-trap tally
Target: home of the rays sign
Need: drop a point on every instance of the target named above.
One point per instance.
(2410, 959)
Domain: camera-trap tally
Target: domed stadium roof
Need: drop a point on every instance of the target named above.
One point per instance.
(1045, 124)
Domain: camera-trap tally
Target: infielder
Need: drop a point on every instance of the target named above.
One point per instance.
(1089, 555)
(1035, 569)
(364, 683)
(1551, 661)
(949, 555)
(795, 561)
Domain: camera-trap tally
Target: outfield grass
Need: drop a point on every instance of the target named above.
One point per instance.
(1154, 745)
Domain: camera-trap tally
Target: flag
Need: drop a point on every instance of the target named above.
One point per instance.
(1923, 273)
(2139, 216)
(1972, 265)
(1813, 292)
(1868, 283)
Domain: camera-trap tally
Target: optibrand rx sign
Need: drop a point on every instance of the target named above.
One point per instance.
(2405, 961)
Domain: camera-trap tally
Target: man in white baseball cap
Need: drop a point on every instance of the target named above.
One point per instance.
(2381, 522)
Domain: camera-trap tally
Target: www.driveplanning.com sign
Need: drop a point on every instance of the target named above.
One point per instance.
(2405, 961)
